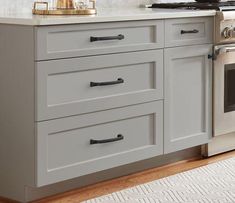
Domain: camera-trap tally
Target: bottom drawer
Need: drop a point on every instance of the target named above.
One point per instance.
(80, 145)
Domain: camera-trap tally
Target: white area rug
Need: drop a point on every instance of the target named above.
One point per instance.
(214, 183)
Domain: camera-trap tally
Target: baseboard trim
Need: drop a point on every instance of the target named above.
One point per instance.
(144, 166)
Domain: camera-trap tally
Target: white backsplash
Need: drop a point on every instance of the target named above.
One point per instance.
(12, 4)
(27, 4)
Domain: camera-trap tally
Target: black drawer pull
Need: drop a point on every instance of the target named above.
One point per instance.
(118, 138)
(189, 31)
(118, 81)
(118, 37)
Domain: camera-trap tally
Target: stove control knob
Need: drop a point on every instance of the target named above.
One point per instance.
(228, 32)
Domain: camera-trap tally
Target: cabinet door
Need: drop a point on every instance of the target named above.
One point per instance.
(187, 107)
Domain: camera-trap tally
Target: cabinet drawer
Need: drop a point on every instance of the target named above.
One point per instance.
(64, 148)
(64, 86)
(75, 40)
(188, 31)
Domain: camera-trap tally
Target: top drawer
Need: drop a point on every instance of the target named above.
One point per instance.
(188, 31)
(75, 40)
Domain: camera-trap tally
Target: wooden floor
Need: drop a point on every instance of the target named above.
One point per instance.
(114, 185)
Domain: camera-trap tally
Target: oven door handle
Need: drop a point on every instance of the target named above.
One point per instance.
(223, 49)
(227, 49)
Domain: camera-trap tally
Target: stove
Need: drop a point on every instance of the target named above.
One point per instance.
(219, 6)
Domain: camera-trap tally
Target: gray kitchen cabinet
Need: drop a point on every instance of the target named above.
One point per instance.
(66, 91)
(187, 104)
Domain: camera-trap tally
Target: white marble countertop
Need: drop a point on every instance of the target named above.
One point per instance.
(104, 15)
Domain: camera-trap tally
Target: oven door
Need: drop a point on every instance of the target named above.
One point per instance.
(224, 90)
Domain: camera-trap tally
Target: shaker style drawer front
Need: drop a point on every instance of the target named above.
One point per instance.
(188, 31)
(88, 84)
(94, 39)
(80, 145)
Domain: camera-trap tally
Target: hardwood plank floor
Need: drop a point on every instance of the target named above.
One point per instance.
(117, 184)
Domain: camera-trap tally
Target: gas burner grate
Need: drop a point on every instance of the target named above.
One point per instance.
(196, 5)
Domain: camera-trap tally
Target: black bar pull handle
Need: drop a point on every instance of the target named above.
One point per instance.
(118, 37)
(118, 81)
(189, 31)
(118, 138)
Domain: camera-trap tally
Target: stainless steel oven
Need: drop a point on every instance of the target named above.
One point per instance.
(224, 89)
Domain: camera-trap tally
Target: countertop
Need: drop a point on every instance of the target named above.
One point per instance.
(103, 15)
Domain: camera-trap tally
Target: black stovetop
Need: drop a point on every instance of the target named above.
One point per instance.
(230, 5)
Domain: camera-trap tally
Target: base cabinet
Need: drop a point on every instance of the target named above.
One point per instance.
(187, 104)
(71, 106)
